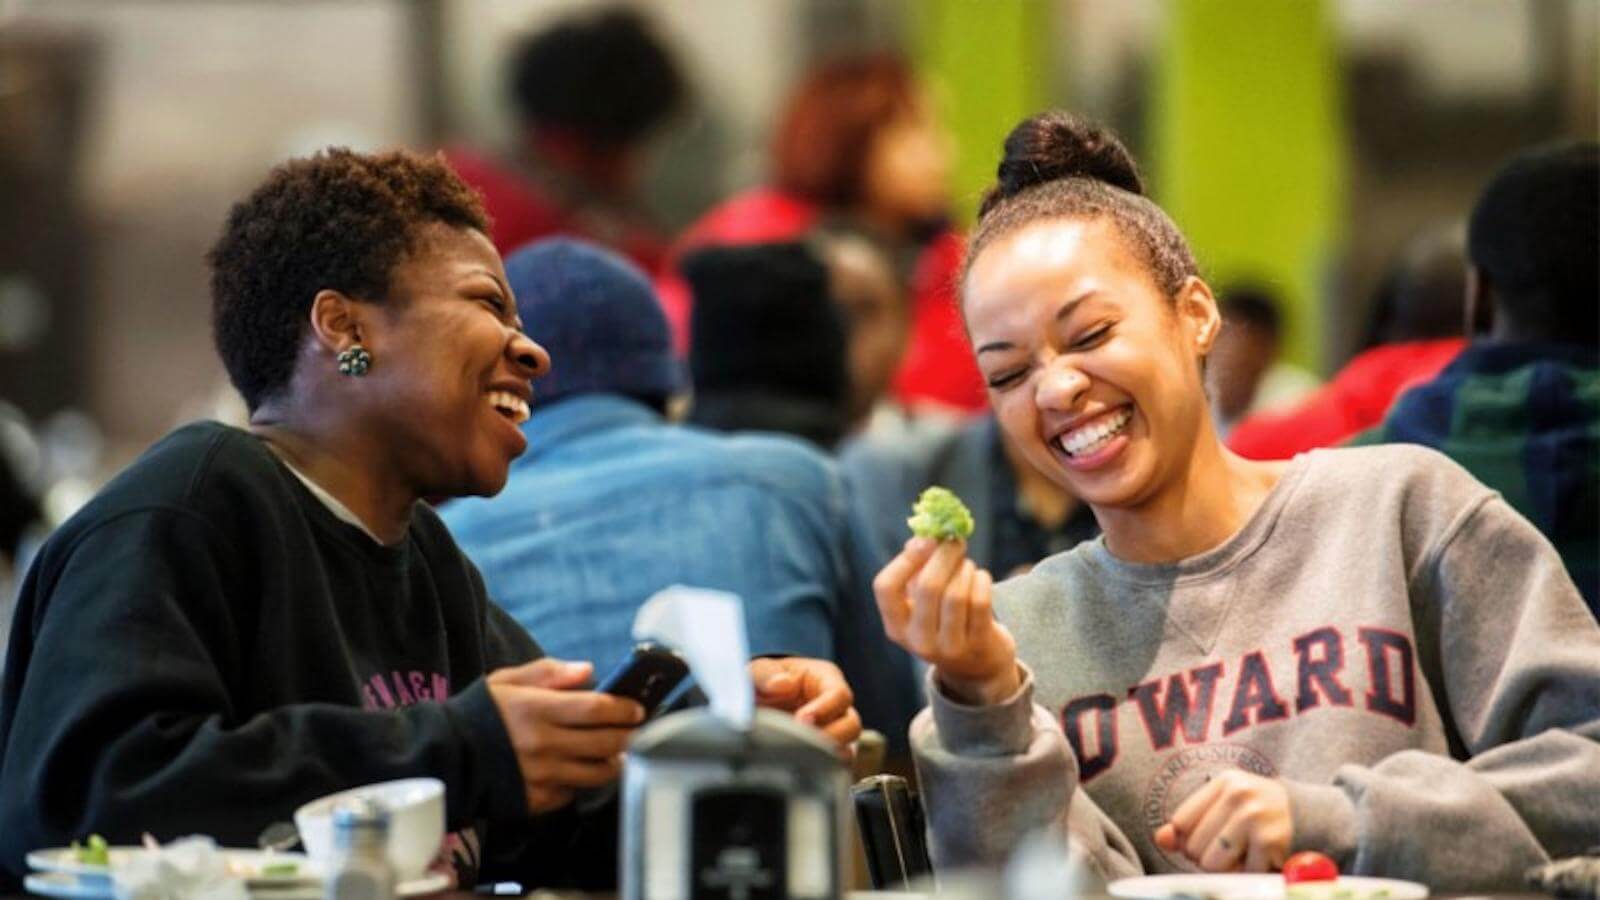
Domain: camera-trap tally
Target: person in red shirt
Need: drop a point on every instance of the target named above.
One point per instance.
(1417, 328)
(858, 143)
(589, 91)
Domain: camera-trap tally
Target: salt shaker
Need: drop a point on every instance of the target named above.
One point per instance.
(361, 867)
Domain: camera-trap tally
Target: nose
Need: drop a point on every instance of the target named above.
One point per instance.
(1061, 384)
(531, 360)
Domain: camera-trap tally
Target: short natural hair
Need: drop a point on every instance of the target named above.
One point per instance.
(1535, 235)
(1252, 303)
(338, 220)
(601, 74)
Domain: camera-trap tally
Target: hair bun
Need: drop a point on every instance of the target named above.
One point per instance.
(1055, 145)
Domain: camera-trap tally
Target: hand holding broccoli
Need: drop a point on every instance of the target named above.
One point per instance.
(936, 603)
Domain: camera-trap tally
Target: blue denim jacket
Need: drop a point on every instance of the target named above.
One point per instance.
(611, 504)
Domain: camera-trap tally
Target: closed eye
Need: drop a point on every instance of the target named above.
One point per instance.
(1093, 338)
(496, 303)
(1005, 379)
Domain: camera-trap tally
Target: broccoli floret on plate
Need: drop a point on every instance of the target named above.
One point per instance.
(95, 854)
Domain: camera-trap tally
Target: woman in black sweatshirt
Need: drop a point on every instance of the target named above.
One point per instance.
(243, 621)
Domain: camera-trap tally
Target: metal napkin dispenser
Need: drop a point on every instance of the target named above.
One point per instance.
(710, 811)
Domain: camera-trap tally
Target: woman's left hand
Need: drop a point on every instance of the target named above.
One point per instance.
(1236, 822)
(814, 690)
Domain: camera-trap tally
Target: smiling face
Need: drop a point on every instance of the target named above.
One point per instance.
(449, 383)
(1093, 371)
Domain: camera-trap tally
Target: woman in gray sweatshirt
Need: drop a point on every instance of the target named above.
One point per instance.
(1363, 652)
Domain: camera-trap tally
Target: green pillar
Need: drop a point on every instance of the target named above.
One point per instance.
(988, 65)
(1247, 146)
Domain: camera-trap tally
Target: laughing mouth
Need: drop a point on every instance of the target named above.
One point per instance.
(1092, 437)
(511, 406)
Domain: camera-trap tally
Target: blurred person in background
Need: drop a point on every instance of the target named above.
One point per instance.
(1416, 330)
(863, 285)
(858, 141)
(770, 351)
(245, 620)
(1246, 372)
(588, 91)
(1520, 407)
(613, 502)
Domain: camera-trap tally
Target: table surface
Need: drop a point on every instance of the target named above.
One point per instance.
(575, 895)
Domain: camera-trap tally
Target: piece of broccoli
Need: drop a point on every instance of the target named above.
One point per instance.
(96, 853)
(940, 514)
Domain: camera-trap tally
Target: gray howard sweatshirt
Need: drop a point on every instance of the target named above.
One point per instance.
(1385, 634)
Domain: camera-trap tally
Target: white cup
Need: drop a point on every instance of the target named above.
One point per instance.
(416, 823)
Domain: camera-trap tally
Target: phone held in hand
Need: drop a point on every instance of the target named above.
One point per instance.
(647, 676)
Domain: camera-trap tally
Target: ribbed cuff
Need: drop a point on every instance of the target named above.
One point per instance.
(999, 729)
(1324, 819)
(498, 782)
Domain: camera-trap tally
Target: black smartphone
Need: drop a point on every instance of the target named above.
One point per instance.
(648, 675)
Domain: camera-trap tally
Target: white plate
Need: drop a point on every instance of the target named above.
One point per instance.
(63, 860)
(98, 887)
(60, 884)
(1261, 887)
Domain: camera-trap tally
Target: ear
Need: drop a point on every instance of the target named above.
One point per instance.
(336, 320)
(1198, 316)
(1480, 303)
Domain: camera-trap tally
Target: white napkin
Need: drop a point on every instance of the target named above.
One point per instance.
(1046, 866)
(706, 628)
(188, 869)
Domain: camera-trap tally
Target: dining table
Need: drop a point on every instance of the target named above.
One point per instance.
(848, 895)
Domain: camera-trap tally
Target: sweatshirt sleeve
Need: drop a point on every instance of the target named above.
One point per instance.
(505, 641)
(991, 775)
(121, 715)
(1517, 662)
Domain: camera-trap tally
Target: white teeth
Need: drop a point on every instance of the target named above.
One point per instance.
(511, 404)
(1092, 437)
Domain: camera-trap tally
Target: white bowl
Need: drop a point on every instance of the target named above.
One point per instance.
(416, 823)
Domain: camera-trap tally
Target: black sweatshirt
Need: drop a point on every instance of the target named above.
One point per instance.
(205, 646)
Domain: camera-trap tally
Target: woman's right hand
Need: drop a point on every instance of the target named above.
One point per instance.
(566, 738)
(936, 603)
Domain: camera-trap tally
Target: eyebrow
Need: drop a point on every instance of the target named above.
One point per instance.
(1061, 314)
(483, 270)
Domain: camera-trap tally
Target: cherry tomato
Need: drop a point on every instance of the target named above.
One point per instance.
(1309, 865)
